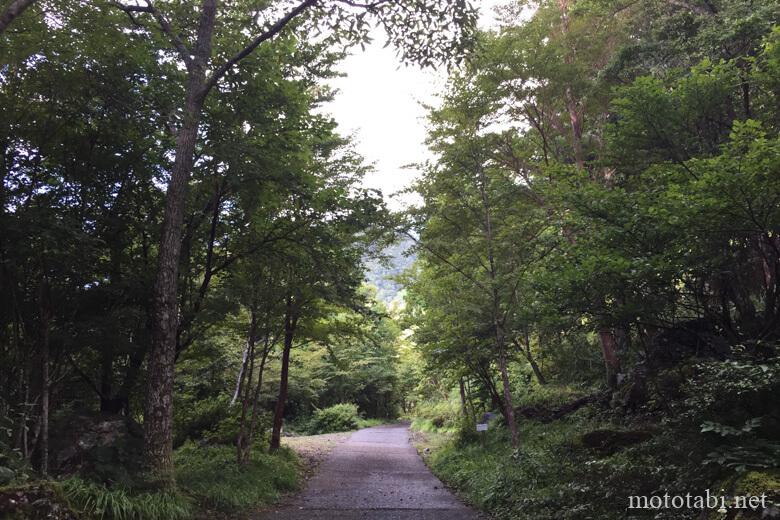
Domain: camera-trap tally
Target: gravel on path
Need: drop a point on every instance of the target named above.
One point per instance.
(374, 474)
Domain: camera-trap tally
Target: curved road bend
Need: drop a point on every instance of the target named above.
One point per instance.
(375, 474)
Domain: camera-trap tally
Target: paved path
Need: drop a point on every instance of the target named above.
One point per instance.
(375, 474)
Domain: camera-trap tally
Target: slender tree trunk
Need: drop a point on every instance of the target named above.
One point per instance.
(498, 323)
(256, 402)
(572, 104)
(526, 350)
(12, 12)
(289, 332)
(241, 441)
(45, 317)
(158, 409)
(463, 407)
(611, 360)
(509, 409)
(537, 371)
(241, 375)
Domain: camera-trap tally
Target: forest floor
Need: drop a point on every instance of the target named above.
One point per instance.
(375, 473)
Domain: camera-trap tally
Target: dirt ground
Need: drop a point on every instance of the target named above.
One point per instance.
(313, 449)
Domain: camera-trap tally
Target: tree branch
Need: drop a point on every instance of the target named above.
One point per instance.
(11, 12)
(275, 29)
(370, 6)
(165, 26)
(709, 10)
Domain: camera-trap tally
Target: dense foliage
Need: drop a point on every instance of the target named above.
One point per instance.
(602, 222)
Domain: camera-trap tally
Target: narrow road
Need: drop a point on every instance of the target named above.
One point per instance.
(375, 474)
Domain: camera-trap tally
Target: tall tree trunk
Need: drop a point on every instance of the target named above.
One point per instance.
(509, 409)
(241, 441)
(12, 12)
(45, 317)
(241, 374)
(572, 103)
(158, 407)
(289, 332)
(256, 402)
(498, 316)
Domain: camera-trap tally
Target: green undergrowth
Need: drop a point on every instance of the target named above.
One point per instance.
(551, 396)
(554, 475)
(369, 423)
(97, 501)
(438, 416)
(209, 483)
(211, 476)
(560, 470)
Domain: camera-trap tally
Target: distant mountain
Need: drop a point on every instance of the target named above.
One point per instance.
(381, 274)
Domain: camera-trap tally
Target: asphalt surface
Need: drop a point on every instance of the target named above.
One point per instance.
(375, 474)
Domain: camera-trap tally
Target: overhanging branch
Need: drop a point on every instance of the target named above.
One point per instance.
(275, 29)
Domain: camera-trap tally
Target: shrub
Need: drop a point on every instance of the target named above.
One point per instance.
(337, 418)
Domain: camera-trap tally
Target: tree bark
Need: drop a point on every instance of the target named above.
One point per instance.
(572, 104)
(45, 317)
(531, 361)
(241, 441)
(289, 332)
(14, 9)
(256, 402)
(509, 409)
(463, 407)
(158, 409)
(611, 360)
(241, 374)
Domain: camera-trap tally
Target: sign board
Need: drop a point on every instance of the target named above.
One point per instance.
(482, 427)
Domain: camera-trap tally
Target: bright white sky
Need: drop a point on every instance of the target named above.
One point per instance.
(379, 102)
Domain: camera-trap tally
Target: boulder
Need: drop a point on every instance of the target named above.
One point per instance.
(6, 475)
(108, 447)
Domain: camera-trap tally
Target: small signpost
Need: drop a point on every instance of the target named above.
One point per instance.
(482, 427)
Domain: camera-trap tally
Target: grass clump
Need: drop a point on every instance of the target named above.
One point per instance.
(208, 478)
(369, 423)
(211, 476)
(97, 501)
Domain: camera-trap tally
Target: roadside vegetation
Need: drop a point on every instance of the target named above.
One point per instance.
(599, 261)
